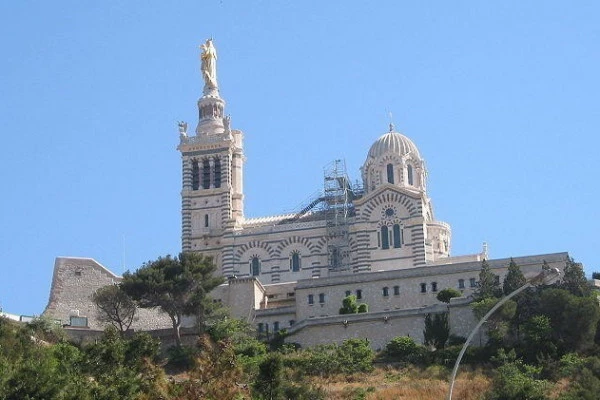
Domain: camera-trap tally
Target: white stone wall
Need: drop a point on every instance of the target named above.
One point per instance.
(409, 281)
(73, 283)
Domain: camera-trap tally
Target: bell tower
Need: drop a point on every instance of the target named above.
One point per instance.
(212, 199)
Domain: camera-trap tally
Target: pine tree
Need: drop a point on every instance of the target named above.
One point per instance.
(574, 279)
(437, 330)
(489, 285)
(514, 278)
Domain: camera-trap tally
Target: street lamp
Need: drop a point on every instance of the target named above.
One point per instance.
(546, 277)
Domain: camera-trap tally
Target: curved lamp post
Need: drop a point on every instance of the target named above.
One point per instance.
(545, 277)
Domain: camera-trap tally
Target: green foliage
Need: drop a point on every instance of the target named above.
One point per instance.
(446, 294)
(517, 381)
(514, 278)
(269, 382)
(585, 377)
(437, 330)
(404, 348)
(216, 373)
(178, 285)
(226, 328)
(181, 357)
(46, 329)
(537, 337)
(488, 283)
(571, 364)
(353, 355)
(574, 279)
(351, 306)
(498, 325)
(114, 307)
(573, 319)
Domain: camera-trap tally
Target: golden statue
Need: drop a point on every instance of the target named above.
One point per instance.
(209, 65)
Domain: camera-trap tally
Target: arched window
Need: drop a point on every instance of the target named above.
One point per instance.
(396, 290)
(321, 298)
(195, 175)
(295, 262)
(434, 286)
(461, 283)
(385, 291)
(385, 238)
(409, 173)
(206, 220)
(217, 173)
(205, 174)
(397, 236)
(390, 173)
(255, 266)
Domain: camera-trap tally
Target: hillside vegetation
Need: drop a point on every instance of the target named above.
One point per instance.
(543, 344)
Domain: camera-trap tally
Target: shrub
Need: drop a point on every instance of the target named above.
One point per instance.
(355, 355)
(405, 349)
(449, 293)
(269, 382)
(518, 381)
(181, 357)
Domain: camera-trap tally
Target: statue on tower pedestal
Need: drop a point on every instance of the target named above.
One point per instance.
(209, 66)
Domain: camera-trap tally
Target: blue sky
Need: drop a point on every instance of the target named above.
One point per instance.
(501, 98)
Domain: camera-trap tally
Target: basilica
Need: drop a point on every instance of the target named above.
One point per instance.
(378, 240)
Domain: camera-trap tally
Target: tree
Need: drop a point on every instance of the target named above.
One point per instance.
(178, 285)
(351, 306)
(574, 319)
(404, 348)
(574, 279)
(436, 331)
(514, 278)
(489, 286)
(269, 382)
(449, 293)
(355, 355)
(114, 307)
(216, 374)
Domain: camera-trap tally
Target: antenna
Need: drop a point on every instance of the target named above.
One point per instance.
(122, 253)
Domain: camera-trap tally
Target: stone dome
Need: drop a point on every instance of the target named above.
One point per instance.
(395, 143)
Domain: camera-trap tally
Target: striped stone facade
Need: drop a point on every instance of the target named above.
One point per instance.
(282, 270)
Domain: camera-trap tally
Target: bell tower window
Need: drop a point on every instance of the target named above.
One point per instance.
(295, 262)
(205, 174)
(195, 175)
(390, 173)
(409, 173)
(255, 266)
(217, 173)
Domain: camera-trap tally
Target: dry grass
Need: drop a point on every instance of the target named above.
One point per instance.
(414, 384)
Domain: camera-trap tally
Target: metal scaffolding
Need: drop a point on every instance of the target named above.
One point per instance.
(337, 197)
